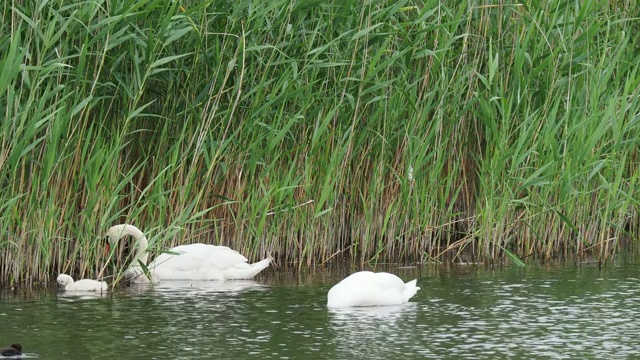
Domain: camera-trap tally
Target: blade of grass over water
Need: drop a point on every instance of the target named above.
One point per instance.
(379, 131)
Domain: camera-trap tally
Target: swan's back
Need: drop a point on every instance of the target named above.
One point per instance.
(90, 285)
(204, 262)
(81, 285)
(366, 288)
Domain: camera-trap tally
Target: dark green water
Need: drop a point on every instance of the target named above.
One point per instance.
(577, 312)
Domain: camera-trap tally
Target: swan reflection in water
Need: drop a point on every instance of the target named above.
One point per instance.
(362, 331)
(181, 288)
(356, 316)
(172, 289)
(83, 295)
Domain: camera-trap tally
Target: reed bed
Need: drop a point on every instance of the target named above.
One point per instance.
(376, 131)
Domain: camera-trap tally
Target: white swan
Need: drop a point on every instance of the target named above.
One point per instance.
(67, 282)
(366, 288)
(185, 262)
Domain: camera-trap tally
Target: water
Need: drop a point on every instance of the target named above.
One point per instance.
(461, 312)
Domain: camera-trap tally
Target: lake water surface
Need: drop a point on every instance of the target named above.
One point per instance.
(578, 312)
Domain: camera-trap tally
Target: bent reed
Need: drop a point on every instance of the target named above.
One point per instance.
(403, 131)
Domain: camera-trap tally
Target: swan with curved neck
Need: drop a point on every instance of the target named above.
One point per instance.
(185, 262)
(135, 272)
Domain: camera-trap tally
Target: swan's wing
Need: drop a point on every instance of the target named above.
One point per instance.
(388, 282)
(196, 261)
(222, 258)
(381, 281)
(90, 285)
(244, 270)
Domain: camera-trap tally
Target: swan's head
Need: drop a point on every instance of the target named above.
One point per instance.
(64, 280)
(114, 234)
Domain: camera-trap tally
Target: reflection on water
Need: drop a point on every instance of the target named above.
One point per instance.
(181, 288)
(463, 312)
(83, 295)
(358, 315)
(189, 288)
(366, 332)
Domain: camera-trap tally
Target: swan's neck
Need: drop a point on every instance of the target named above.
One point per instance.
(141, 248)
(141, 242)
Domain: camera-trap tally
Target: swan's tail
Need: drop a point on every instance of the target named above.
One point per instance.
(246, 271)
(410, 289)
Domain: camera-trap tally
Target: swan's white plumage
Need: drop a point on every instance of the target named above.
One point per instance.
(68, 284)
(187, 262)
(205, 262)
(366, 288)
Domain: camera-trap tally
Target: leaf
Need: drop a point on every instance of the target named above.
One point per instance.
(167, 59)
(566, 220)
(512, 256)
(366, 31)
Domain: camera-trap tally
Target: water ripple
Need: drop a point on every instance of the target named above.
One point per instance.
(569, 313)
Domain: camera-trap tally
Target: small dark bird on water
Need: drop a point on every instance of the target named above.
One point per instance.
(12, 350)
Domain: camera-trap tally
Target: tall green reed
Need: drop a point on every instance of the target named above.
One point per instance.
(380, 131)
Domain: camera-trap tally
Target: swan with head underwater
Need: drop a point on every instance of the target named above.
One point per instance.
(366, 288)
(67, 283)
(185, 262)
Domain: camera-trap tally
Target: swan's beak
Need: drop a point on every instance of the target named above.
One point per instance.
(107, 249)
